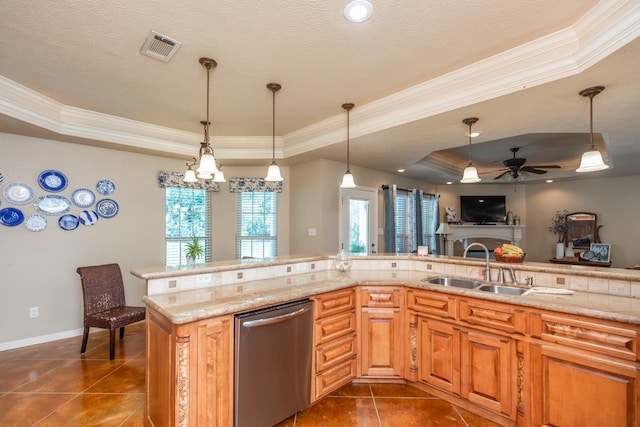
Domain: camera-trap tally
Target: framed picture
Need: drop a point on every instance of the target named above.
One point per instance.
(601, 252)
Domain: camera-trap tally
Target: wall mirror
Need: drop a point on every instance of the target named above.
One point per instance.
(582, 229)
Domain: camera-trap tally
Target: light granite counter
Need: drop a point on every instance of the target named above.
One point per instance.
(243, 285)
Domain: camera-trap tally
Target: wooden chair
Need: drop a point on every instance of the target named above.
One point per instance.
(104, 305)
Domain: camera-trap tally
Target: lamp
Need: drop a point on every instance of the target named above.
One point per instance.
(190, 174)
(207, 166)
(470, 174)
(444, 230)
(273, 174)
(218, 176)
(347, 179)
(591, 159)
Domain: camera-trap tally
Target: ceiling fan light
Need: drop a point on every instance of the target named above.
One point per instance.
(273, 173)
(347, 180)
(592, 161)
(470, 175)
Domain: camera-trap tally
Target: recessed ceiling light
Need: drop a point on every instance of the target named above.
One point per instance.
(401, 170)
(449, 182)
(549, 181)
(358, 10)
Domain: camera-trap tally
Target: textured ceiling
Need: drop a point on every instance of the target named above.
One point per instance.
(86, 56)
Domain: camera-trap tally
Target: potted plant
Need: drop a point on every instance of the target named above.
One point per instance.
(194, 249)
(559, 227)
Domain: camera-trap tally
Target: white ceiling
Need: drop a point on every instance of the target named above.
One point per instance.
(73, 71)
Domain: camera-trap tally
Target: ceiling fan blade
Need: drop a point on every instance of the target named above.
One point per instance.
(532, 169)
(544, 166)
(502, 174)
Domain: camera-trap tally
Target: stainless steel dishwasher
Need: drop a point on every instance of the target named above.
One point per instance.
(272, 378)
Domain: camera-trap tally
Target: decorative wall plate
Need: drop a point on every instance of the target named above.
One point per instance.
(52, 205)
(83, 197)
(88, 217)
(11, 217)
(68, 222)
(35, 223)
(105, 187)
(107, 208)
(18, 193)
(52, 180)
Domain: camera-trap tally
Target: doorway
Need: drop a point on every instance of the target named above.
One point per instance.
(358, 220)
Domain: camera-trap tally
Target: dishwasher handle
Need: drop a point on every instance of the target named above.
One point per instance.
(277, 319)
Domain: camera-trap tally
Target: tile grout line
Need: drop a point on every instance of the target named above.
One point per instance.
(455, 408)
(373, 398)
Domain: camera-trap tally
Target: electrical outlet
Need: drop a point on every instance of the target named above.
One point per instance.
(34, 312)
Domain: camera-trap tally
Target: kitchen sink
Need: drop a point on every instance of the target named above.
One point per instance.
(504, 290)
(456, 283)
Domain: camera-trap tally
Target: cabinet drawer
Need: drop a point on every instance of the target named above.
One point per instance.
(334, 302)
(433, 303)
(497, 316)
(335, 377)
(334, 327)
(335, 352)
(380, 296)
(617, 341)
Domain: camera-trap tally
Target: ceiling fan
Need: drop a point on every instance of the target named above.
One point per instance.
(516, 165)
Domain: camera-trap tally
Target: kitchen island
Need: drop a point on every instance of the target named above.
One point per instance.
(191, 312)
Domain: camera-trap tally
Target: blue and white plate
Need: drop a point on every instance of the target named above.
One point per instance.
(35, 223)
(83, 197)
(107, 208)
(52, 180)
(52, 205)
(18, 193)
(68, 222)
(88, 217)
(11, 217)
(104, 187)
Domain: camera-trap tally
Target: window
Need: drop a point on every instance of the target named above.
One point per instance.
(187, 214)
(404, 227)
(256, 224)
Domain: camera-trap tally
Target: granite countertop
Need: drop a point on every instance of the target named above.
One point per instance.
(188, 306)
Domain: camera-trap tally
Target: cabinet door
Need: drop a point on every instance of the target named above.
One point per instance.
(214, 384)
(439, 353)
(381, 342)
(579, 389)
(486, 370)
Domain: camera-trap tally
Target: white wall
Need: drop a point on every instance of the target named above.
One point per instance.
(38, 269)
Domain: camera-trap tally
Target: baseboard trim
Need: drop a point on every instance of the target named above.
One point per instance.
(10, 345)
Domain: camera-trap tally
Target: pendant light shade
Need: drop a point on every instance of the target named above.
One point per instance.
(347, 179)
(219, 175)
(207, 163)
(470, 174)
(273, 173)
(190, 174)
(592, 158)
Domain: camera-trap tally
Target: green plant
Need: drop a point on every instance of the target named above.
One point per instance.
(194, 249)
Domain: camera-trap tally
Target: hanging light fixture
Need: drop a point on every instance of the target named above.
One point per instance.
(591, 159)
(207, 167)
(190, 174)
(219, 175)
(347, 179)
(273, 174)
(470, 174)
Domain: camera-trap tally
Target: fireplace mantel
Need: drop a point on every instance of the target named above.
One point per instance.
(513, 233)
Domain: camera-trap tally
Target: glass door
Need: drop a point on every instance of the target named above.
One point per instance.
(358, 220)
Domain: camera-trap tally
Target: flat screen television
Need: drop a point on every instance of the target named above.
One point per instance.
(483, 209)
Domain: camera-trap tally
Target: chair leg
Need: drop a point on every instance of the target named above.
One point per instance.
(112, 344)
(85, 338)
(121, 332)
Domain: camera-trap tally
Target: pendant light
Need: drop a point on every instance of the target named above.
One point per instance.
(207, 167)
(470, 174)
(219, 175)
(347, 179)
(591, 159)
(190, 174)
(273, 174)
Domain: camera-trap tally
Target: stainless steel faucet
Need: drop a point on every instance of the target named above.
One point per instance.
(514, 279)
(487, 270)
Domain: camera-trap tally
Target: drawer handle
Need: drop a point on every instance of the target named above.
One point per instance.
(380, 297)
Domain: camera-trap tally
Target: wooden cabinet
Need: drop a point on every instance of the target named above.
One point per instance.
(584, 372)
(381, 340)
(439, 353)
(189, 372)
(334, 338)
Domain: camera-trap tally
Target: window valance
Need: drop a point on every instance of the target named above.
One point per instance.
(239, 185)
(175, 179)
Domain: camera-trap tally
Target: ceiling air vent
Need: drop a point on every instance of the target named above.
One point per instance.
(159, 46)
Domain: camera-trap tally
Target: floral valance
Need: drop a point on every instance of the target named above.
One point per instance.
(175, 179)
(238, 185)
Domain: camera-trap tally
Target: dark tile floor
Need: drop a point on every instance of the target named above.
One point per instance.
(53, 385)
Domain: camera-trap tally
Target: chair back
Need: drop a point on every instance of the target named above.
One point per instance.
(102, 287)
